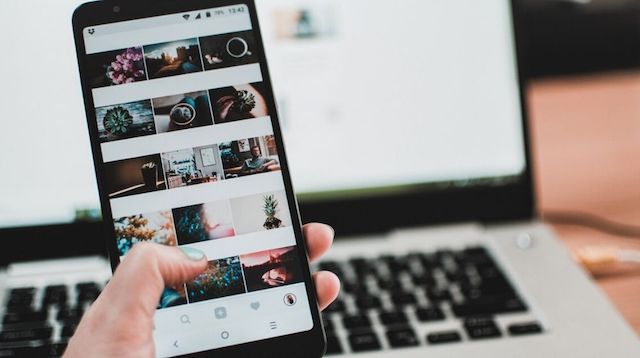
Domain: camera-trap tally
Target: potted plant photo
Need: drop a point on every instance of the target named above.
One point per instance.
(150, 175)
(117, 121)
(270, 209)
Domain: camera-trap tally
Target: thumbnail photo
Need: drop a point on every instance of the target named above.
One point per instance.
(116, 67)
(192, 166)
(153, 227)
(271, 268)
(173, 296)
(134, 176)
(125, 121)
(222, 278)
(182, 111)
(227, 50)
(260, 212)
(204, 222)
(239, 102)
(249, 156)
(173, 58)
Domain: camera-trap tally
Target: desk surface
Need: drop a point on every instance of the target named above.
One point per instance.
(586, 149)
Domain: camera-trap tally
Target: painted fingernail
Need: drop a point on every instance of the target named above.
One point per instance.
(193, 254)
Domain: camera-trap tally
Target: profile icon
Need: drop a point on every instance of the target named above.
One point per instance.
(290, 299)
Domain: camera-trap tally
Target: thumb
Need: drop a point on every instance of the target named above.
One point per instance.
(123, 313)
(140, 279)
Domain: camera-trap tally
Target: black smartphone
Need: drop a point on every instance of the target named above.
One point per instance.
(188, 152)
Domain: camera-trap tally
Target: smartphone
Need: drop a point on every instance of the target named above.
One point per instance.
(188, 152)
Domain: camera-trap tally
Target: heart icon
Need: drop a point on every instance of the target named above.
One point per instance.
(255, 305)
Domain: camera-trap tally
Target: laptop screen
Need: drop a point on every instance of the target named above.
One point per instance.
(374, 97)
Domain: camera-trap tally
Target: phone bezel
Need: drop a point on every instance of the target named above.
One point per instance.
(309, 343)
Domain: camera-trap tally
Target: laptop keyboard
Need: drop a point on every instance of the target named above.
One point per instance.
(38, 322)
(388, 302)
(392, 302)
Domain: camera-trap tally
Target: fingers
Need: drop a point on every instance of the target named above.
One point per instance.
(319, 238)
(147, 270)
(327, 287)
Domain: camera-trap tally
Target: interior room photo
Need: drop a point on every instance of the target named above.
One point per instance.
(193, 166)
(134, 176)
(249, 156)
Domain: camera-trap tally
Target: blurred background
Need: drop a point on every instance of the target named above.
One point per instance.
(582, 59)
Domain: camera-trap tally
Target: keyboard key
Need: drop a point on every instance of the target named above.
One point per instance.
(68, 330)
(396, 264)
(364, 341)
(443, 337)
(333, 345)
(489, 305)
(403, 298)
(438, 295)
(481, 327)
(475, 256)
(393, 318)
(87, 292)
(367, 301)
(424, 279)
(389, 283)
(22, 291)
(56, 350)
(25, 317)
(20, 298)
(356, 321)
(430, 314)
(456, 275)
(87, 286)
(55, 295)
(71, 315)
(404, 337)
(28, 334)
(23, 352)
(355, 287)
(520, 329)
(331, 266)
(362, 267)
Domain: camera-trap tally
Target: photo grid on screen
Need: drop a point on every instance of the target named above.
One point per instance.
(194, 142)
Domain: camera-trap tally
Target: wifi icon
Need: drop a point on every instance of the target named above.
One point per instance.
(186, 16)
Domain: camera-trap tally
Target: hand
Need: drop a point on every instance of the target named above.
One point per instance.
(120, 321)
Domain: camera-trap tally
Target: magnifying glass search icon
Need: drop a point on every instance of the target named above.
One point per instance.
(185, 319)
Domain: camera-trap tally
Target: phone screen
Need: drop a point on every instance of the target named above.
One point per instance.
(185, 129)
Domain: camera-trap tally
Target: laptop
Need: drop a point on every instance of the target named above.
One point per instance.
(406, 130)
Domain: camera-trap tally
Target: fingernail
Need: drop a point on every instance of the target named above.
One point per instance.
(193, 254)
